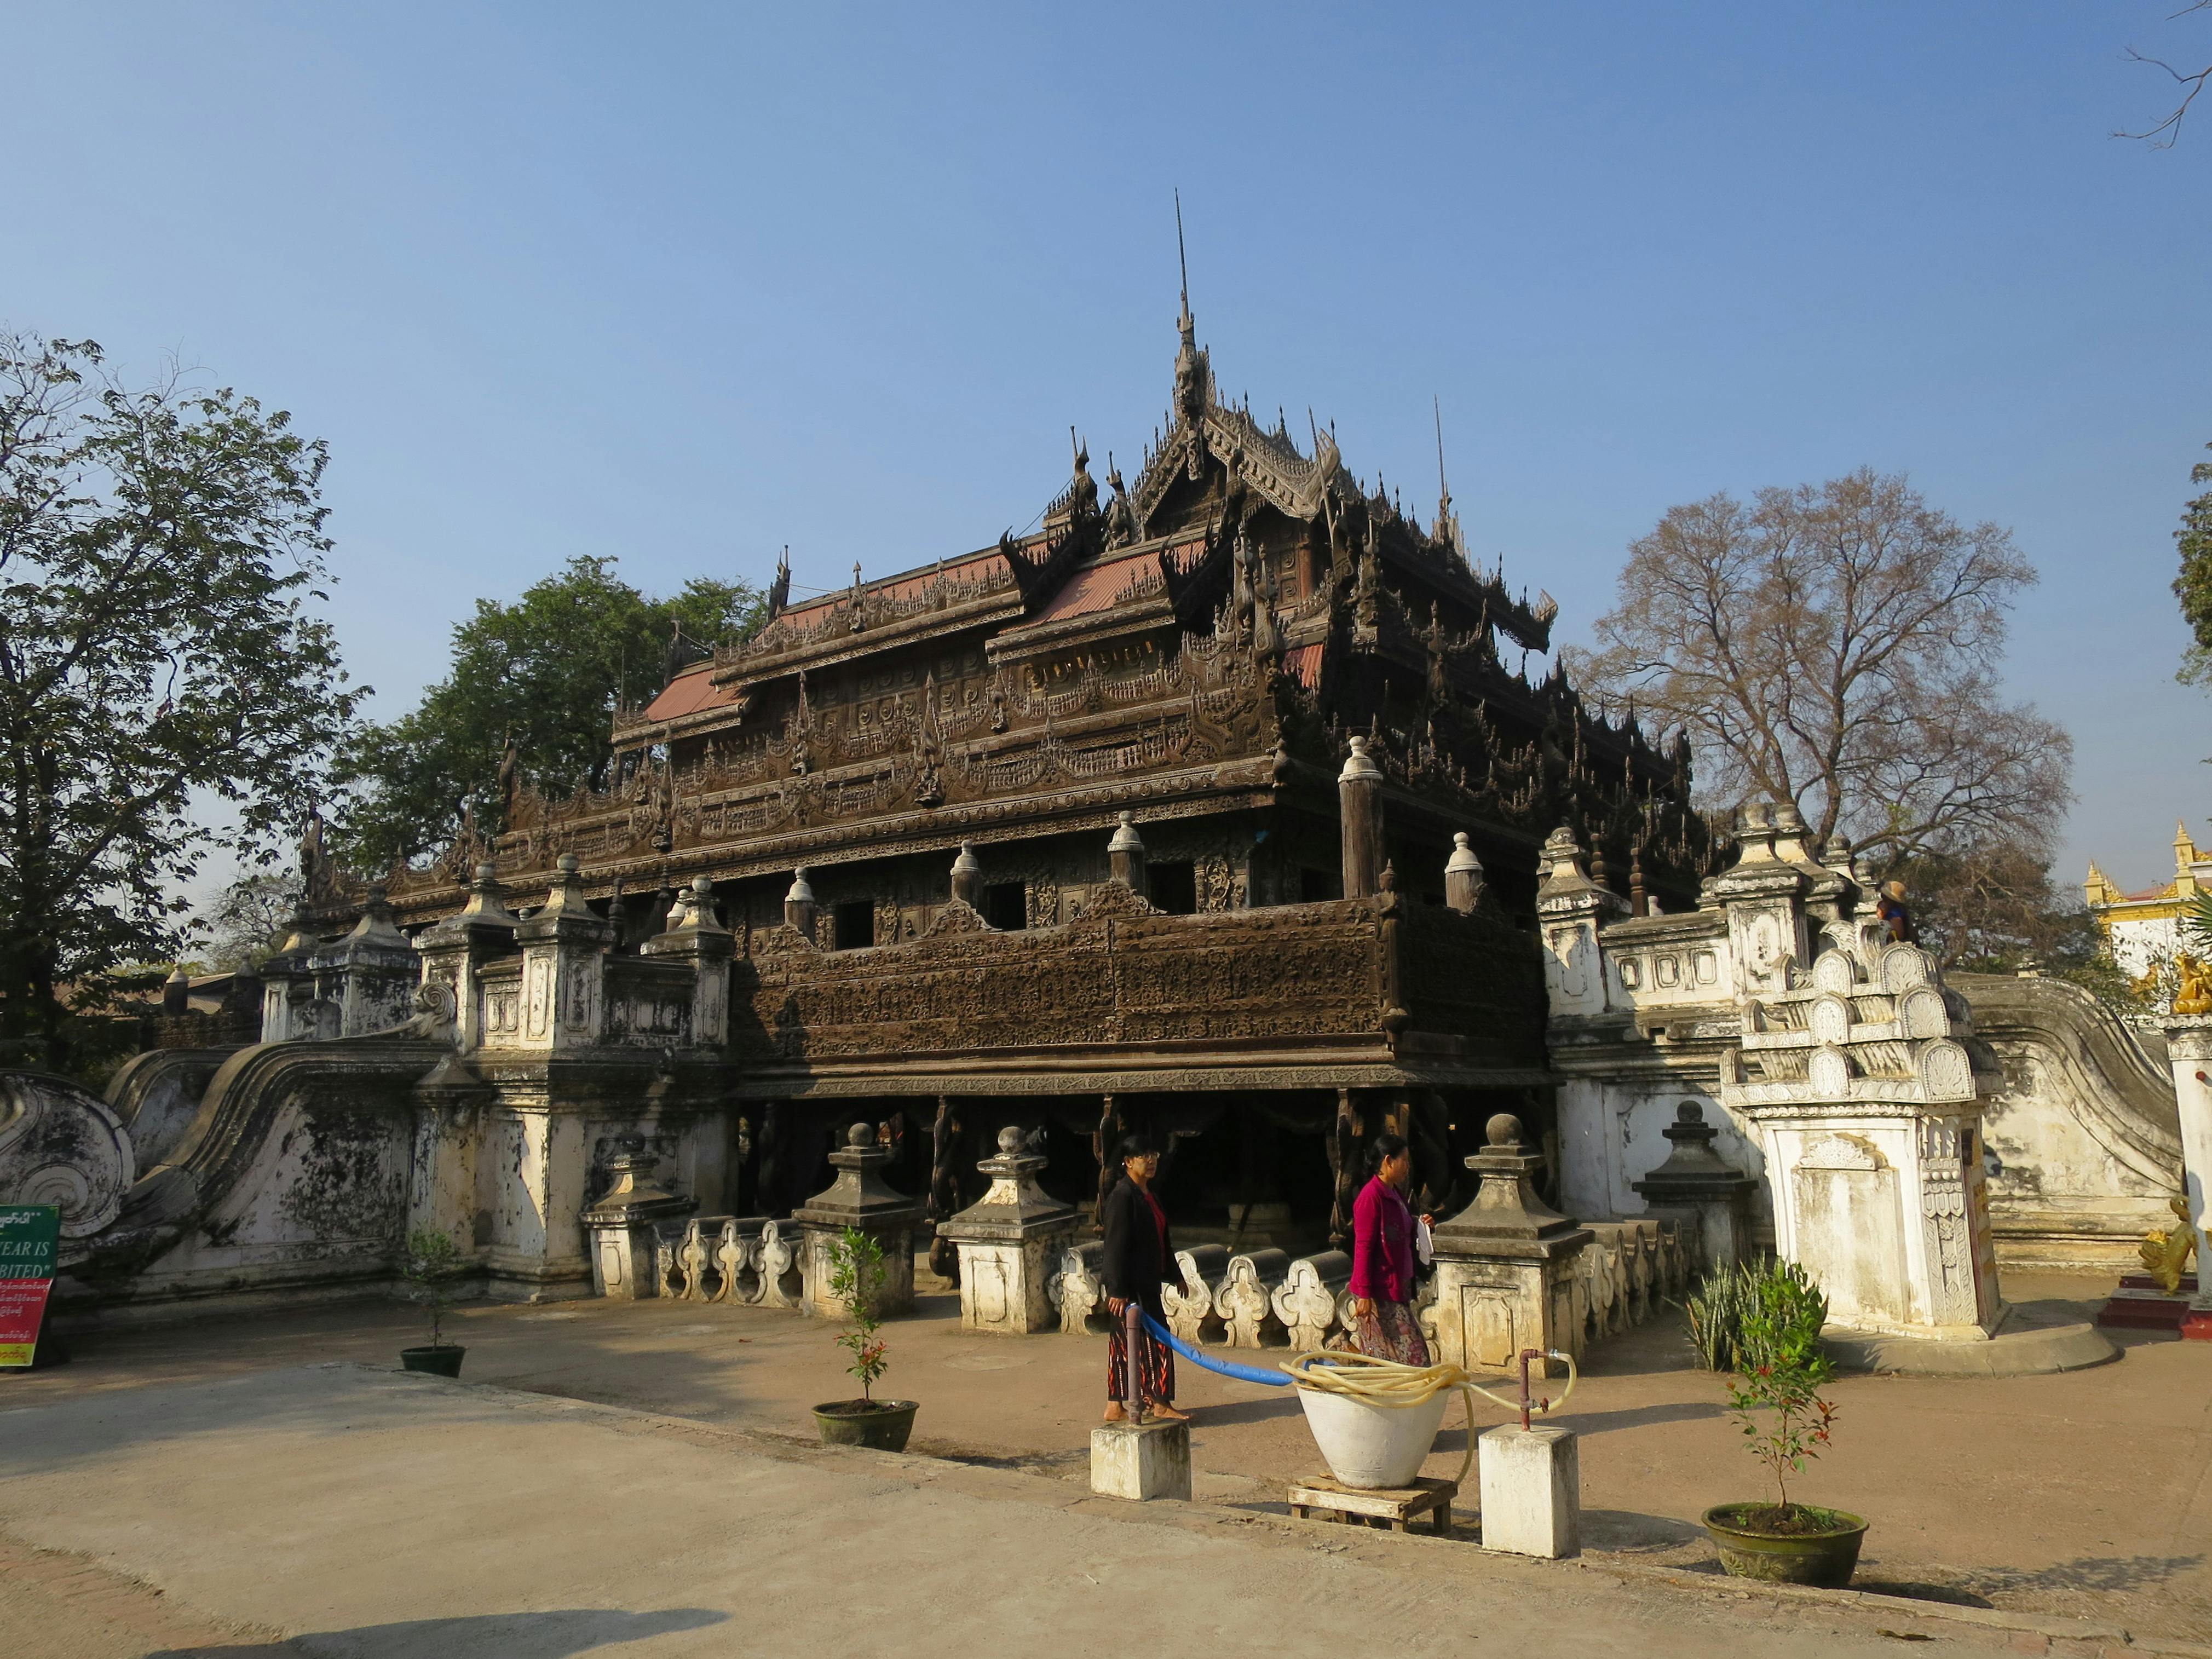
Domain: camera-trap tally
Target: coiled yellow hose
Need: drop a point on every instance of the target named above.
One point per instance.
(1377, 1382)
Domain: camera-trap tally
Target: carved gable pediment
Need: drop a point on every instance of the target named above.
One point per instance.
(958, 916)
(1842, 1152)
(1111, 898)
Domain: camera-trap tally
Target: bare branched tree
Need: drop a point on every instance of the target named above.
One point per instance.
(2162, 136)
(249, 916)
(1836, 645)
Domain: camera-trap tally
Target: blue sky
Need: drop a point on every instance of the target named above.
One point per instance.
(682, 283)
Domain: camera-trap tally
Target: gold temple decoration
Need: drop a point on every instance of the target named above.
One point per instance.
(2194, 994)
(2166, 1251)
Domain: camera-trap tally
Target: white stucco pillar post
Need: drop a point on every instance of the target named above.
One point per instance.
(2189, 1046)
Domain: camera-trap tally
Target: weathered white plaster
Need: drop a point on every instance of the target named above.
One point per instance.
(1532, 1487)
(1141, 1461)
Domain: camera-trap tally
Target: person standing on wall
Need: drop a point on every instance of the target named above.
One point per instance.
(1385, 1325)
(1135, 1264)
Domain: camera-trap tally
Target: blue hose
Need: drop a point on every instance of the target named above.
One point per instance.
(1243, 1373)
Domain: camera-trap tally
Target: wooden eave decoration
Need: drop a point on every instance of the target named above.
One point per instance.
(1019, 645)
(752, 672)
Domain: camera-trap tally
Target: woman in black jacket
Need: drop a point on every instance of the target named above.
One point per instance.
(1136, 1263)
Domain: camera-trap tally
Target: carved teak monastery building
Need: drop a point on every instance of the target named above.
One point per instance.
(1186, 906)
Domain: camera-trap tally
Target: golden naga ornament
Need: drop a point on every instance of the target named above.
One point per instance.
(2166, 1251)
(2194, 994)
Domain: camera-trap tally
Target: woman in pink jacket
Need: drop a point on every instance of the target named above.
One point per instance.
(1383, 1322)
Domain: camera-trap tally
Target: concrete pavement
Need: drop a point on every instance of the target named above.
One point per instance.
(339, 1510)
(2087, 1495)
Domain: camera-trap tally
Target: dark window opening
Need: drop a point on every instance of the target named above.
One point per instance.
(856, 924)
(1007, 905)
(1315, 886)
(1174, 886)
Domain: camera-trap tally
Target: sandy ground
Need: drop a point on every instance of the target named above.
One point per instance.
(259, 1498)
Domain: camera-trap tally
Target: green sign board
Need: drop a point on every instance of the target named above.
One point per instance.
(30, 1240)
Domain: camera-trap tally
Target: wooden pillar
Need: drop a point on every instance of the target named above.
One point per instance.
(945, 1181)
(968, 878)
(1103, 1145)
(1347, 1163)
(1359, 800)
(1125, 856)
(1463, 877)
(769, 1161)
(799, 909)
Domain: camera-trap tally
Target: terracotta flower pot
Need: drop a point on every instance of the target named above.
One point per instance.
(883, 1423)
(1826, 1556)
(444, 1360)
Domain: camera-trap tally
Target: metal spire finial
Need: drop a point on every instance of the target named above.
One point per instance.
(1447, 520)
(1182, 260)
(1443, 489)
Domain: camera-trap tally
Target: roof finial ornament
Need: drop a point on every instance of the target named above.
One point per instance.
(779, 591)
(1120, 519)
(1447, 520)
(1191, 380)
(1083, 490)
(1185, 323)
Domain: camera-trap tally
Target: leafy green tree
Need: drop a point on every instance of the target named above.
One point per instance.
(1994, 909)
(2193, 586)
(431, 1265)
(160, 549)
(1780, 1367)
(858, 1275)
(545, 672)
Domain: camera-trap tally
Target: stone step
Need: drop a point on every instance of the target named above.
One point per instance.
(2145, 1282)
(2143, 1313)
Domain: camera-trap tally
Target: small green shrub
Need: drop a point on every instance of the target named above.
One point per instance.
(1716, 1314)
(1780, 1366)
(857, 1274)
(433, 1260)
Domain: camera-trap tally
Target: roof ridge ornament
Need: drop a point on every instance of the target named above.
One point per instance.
(1447, 530)
(1194, 379)
(779, 591)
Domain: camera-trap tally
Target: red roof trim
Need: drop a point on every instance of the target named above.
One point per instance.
(689, 692)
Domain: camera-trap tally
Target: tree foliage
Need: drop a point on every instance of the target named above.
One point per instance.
(858, 1275)
(1993, 909)
(546, 672)
(248, 918)
(432, 1264)
(1780, 1368)
(1838, 646)
(2193, 586)
(160, 549)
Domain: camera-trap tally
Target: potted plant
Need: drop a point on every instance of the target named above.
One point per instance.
(857, 1274)
(432, 1260)
(1776, 1396)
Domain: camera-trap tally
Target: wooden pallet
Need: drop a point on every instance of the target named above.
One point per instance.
(1321, 1496)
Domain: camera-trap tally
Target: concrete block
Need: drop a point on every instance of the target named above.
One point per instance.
(1151, 1460)
(1532, 1492)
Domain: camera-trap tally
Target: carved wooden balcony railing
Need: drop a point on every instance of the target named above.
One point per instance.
(1390, 989)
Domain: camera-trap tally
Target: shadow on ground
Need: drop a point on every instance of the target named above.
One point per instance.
(1637, 1417)
(552, 1635)
(1627, 1532)
(1281, 1403)
(2087, 1572)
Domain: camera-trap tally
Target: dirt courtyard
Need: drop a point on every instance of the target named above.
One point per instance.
(2086, 1495)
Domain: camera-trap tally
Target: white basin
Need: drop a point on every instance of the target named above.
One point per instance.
(1369, 1445)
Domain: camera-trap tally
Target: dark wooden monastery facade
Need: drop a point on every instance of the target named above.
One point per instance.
(1197, 654)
